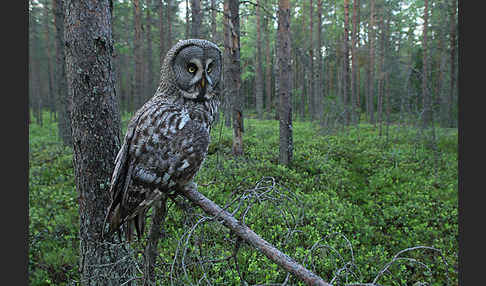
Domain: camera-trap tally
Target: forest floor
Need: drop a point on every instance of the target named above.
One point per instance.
(349, 202)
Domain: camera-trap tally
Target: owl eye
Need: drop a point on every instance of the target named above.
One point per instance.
(191, 68)
(210, 68)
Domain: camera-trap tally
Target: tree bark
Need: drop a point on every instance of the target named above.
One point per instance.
(96, 131)
(150, 67)
(347, 102)
(285, 94)
(233, 70)
(157, 231)
(311, 94)
(162, 46)
(453, 62)
(318, 93)
(355, 67)
(214, 24)
(426, 102)
(64, 122)
(371, 79)
(258, 64)
(268, 65)
(196, 18)
(137, 51)
(381, 70)
(251, 237)
(169, 24)
(51, 98)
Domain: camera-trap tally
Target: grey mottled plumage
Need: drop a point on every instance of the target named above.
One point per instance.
(168, 137)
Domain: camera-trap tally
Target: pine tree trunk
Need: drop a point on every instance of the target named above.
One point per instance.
(233, 70)
(311, 64)
(381, 73)
(268, 66)
(137, 51)
(259, 74)
(157, 231)
(62, 95)
(188, 20)
(214, 24)
(427, 115)
(355, 68)
(51, 98)
(285, 94)
(162, 46)
(453, 62)
(96, 136)
(196, 18)
(347, 102)
(150, 89)
(169, 24)
(318, 92)
(371, 79)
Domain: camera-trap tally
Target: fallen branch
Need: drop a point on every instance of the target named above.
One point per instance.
(250, 237)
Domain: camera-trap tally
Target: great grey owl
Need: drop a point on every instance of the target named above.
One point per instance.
(168, 137)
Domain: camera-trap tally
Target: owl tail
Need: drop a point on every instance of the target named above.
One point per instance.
(113, 219)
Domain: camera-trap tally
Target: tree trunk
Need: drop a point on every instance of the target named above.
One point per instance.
(233, 70)
(96, 131)
(150, 67)
(64, 121)
(311, 94)
(381, 71)
(169, 24)
(285, 94)
(427, 115)
(318, 92)
(196, 18)
(268, 65)
(355, 68)
(214, 24)
(347, 102)
(137, 51)
(157, 231)
(259, 74)
(453, 62)
(51, 98)
(371, 79)
(162, 46)
(188, 20)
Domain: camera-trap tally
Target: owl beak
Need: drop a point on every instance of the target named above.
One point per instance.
(203, 81)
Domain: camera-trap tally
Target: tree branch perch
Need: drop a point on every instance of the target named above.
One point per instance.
(252, 238)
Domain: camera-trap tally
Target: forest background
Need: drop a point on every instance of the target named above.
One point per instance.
(373, 165)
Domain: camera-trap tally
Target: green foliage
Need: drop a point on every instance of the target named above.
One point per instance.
(355, 196)
(53, 213)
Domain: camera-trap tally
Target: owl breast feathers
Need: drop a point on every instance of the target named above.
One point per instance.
(167, 139)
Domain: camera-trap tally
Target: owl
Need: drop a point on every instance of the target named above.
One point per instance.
(168, 137)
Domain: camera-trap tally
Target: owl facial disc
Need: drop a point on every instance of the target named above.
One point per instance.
(197, 71)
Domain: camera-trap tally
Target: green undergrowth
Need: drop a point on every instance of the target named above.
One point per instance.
(354, 198)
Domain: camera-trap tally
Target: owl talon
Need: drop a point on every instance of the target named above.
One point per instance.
(190, 186)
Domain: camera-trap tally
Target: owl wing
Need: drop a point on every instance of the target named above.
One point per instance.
(122, 175)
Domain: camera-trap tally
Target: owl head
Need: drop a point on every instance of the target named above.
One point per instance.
(192, 68)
